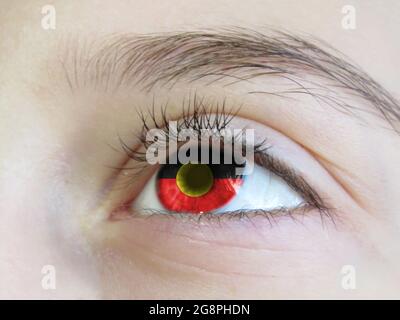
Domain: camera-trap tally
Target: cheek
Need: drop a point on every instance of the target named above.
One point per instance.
(157, 255)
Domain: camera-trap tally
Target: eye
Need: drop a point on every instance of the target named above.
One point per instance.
(260, 182)
(196, 188)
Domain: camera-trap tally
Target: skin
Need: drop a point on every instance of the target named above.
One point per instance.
(56, 199)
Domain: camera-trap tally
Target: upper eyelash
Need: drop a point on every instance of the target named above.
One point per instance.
(197, 114)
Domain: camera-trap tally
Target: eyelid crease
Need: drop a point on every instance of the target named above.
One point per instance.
(326, 164)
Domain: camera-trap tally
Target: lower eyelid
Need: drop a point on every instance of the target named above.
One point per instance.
(245, 220)
(191, 245)
(176, 263)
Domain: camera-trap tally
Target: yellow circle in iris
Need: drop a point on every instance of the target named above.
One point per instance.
(194, 180)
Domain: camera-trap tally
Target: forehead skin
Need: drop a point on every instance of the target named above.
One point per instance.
(24, 50)
(374, 39)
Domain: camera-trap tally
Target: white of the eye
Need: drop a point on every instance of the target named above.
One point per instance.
(263, 190)
(148, 198)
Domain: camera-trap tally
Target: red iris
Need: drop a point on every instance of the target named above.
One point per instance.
(222, 191)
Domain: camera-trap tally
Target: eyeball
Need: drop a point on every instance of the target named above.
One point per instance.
(214, 188)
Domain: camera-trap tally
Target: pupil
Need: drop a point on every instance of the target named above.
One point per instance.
(194, 180)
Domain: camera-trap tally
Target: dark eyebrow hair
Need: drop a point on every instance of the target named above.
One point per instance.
(237, 54)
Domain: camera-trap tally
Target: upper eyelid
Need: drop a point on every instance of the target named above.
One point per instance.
(238, 53)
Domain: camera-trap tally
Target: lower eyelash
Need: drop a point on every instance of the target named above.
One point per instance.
(273, 216)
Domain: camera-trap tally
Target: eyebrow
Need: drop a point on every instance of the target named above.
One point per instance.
(231, 55)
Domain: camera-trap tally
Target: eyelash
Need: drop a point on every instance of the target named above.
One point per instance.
(196, 115)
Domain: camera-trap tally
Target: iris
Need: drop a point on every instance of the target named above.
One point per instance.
(196, 187)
